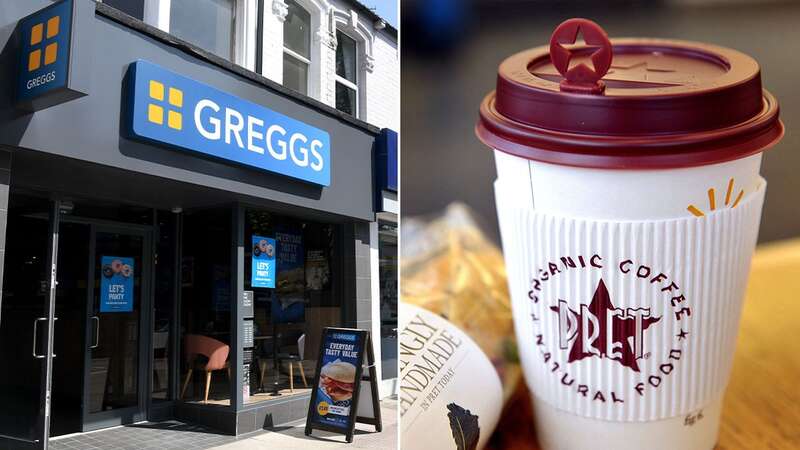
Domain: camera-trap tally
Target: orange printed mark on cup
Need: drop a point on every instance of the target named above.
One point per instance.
(738, 197)
(712, 200)
(728, 193)
(693, 209)
(712, 204)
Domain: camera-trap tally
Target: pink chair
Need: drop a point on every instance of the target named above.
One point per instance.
(214, 350)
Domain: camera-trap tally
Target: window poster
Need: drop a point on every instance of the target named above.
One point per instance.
(221, 288)
(318, 273)
(263, 268)
(341, 356)
(116, 284)
(289, 303)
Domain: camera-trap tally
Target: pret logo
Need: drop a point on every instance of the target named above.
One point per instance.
(41, 39)
(638, 330)
(600, 329)
(169, 108)
(173, 105)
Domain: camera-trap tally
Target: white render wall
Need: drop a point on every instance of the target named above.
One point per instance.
(383, 85)
(378, 56)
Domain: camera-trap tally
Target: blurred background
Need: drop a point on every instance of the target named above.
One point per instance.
(451, 50)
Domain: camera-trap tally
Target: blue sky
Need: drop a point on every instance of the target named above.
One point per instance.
(384, 8)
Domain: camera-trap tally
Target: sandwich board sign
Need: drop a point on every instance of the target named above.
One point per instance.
(343, 394)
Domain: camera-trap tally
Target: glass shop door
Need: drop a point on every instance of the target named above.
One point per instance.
(27, 322)
(115, 375)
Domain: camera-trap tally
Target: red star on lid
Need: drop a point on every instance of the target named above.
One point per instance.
(581, 78)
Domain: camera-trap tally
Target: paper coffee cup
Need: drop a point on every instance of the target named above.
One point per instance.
(629, 200)
(450, 395)
(627, 321)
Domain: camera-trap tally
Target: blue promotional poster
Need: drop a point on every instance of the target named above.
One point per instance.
(341, 356)
(290, 304)
(116, 284)
(263, 269)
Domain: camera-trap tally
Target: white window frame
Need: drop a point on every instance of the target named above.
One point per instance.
(310, 60)
(340, 79)
(349, 23)
(243, 48)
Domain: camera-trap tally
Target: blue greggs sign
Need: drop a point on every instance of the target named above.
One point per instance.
(168, 108)
(47, 72)
(386, 154)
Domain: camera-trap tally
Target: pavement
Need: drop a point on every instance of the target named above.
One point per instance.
(292, 436)
(176, 435)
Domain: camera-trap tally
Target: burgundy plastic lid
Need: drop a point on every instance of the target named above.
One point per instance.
(628, 103)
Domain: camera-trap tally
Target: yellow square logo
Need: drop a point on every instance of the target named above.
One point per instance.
(155, 114)
(34, 60)
(174, 120)
(50, 53)
(36, 33)
(39, 38)
(156, 90)
(175, 97)
(52, 26)
(155, 109)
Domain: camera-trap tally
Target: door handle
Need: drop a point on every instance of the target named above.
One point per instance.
(54, 334)
(36, 333)
(96, 332)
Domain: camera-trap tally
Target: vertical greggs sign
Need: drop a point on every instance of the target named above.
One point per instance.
(50, 46)
(168, 108)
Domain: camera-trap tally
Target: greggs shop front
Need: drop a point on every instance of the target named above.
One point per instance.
(175, 231)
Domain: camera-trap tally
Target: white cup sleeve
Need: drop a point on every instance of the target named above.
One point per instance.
(628, 320)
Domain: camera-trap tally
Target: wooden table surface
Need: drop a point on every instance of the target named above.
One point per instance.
(762, 403)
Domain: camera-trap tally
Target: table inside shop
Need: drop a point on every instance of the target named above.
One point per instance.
(762, 403)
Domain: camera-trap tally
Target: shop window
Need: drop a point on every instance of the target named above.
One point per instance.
(346, 74)
(133, 8)
(163, 304)
(289, 317)
(206, 307)
(296, 47)
(205, 23)
(387, 252)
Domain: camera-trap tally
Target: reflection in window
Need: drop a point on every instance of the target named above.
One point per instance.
(205, 23)
(346, 75)
(296, 47)
(206, 307)
(387, 252)
(289, 318)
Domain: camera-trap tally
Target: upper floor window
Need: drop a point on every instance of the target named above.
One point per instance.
(205, 23)
(346, 74)
(133, 8)
(296, 48)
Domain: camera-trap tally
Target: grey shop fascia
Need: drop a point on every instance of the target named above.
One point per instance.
(101, 152)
